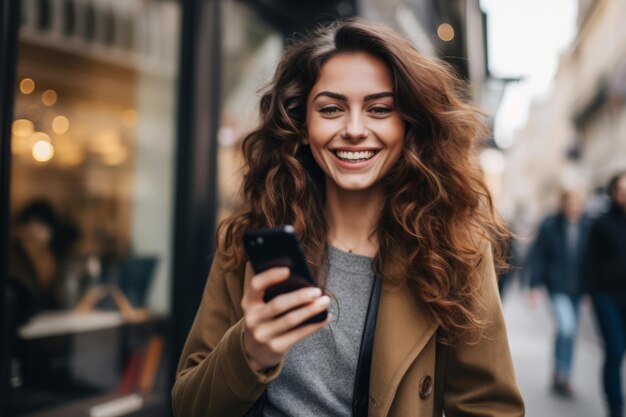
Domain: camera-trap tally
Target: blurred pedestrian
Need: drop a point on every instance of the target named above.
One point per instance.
(607, 273)
(556, 262)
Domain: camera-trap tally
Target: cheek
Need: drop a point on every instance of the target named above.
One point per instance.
(397, 135)
(397, 153)
(316, 152)
(321, 128)
(316, 145)
(396, 144)
(320, 133)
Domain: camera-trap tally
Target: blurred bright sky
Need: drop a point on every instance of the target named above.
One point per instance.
(525, 39)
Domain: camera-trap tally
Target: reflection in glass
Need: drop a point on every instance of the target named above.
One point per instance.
(91, 203)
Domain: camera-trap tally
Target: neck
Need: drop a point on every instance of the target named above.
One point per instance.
(352, 218)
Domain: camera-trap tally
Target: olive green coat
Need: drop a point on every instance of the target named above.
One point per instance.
(413, 375)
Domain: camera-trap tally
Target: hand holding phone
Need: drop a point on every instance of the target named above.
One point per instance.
(267, 248)
(282, 305)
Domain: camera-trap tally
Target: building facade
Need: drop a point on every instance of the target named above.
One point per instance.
(577, 135)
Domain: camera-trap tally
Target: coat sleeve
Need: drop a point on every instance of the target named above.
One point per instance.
(214, 377)
(479, 377)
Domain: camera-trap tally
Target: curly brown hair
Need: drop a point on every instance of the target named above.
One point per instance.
(437, 206)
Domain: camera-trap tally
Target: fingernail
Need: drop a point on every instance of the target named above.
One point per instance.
(323, 300)
(314, 292)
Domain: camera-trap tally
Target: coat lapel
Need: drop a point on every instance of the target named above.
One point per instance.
(403, 328)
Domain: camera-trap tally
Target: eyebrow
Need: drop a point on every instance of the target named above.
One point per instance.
(344, 98)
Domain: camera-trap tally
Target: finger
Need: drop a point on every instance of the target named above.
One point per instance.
(282, 325)
(261, 312)
(286, 302)
(283, 343)
(264, 280)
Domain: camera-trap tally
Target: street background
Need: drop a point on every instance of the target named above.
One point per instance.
(531, 339)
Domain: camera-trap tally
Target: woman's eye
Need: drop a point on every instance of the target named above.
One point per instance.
(330, 110)
(380, 110)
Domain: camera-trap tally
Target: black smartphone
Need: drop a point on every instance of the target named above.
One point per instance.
(268, 248)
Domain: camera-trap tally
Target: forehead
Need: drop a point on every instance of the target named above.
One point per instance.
(354, 72)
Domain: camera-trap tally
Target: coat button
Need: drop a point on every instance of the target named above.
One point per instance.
(426, 387)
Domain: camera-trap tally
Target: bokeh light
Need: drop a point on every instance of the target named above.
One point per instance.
(22, 128)
(60, 125)
(27, 85)
(49, 98)
(43, 151)
(445, 32)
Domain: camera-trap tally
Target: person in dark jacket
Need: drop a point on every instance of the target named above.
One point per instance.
(556, 263)
(607, 273)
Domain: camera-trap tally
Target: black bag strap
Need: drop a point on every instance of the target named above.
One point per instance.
(360, 398)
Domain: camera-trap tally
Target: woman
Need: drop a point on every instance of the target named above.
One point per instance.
(367, 150)
(607, 285)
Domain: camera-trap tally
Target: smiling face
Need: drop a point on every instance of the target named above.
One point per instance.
(355, 132)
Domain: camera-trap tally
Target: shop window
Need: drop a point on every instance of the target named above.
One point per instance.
(92, 192)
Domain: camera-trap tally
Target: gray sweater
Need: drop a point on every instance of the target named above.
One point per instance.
(318, 374)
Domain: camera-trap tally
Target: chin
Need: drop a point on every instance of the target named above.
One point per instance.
(354, 185)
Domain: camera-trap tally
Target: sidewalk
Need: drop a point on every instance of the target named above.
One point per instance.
(531, 335)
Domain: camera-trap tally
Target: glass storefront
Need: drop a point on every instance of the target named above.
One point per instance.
(251, 50)
(92, 194)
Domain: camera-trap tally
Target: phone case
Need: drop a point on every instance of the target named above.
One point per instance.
(267, 248)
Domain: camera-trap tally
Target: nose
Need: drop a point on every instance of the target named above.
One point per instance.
(355, 127)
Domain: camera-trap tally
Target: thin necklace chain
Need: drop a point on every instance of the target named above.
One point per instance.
(345, 247)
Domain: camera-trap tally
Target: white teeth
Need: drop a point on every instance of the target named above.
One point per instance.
(355, 155)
